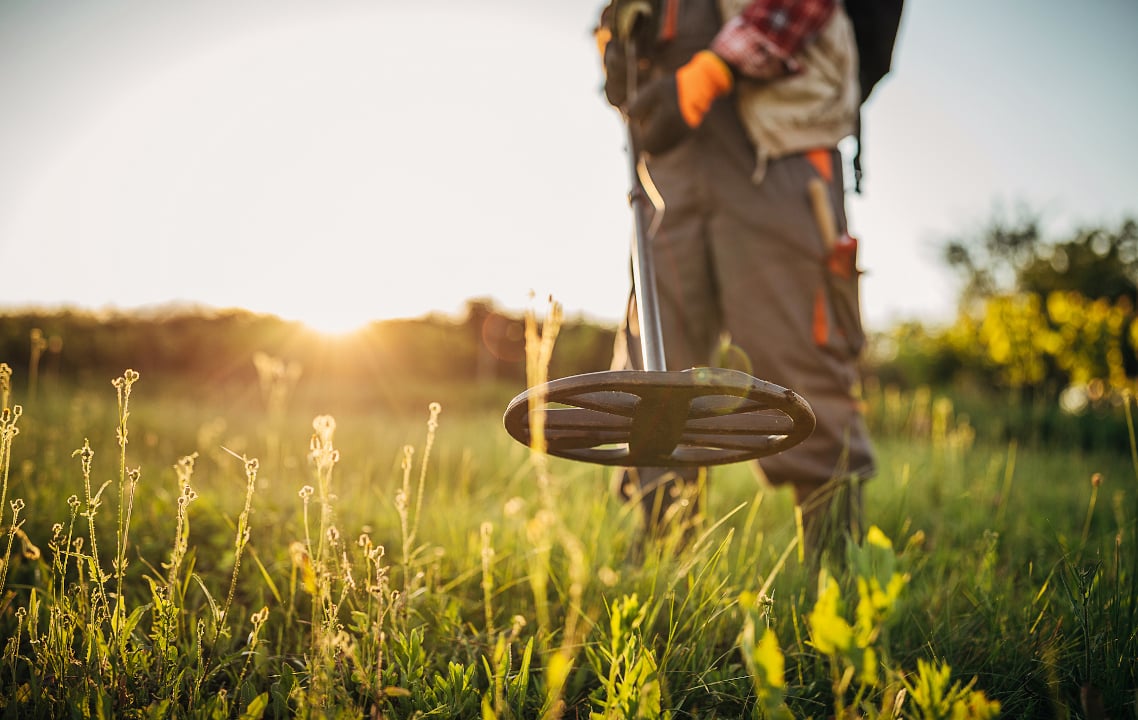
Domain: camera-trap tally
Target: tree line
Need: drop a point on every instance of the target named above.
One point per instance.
(1048, 325)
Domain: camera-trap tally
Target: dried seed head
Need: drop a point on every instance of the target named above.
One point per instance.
(85, 453)
(306, 492)
(514, 507)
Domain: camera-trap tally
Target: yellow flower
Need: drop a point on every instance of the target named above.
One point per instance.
(769, 662)
(830, 632)
(874, 536)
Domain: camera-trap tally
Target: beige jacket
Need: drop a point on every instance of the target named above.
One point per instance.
(814, 108)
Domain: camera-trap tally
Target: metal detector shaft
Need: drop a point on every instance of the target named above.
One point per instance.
(643, 270)
(644, 273)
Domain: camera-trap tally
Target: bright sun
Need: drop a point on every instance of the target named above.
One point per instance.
(334, 322)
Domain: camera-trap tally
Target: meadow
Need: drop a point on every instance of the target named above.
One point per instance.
(174, 550)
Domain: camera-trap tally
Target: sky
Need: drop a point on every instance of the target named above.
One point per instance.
(344, 161)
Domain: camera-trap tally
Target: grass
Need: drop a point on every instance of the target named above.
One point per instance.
(206, 555)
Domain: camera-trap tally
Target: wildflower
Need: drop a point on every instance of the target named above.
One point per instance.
(770, 665)
(874, 536)
(830, 632)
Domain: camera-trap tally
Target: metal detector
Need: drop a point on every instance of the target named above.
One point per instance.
(655, 417)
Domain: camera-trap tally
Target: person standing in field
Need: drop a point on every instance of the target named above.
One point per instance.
(739, 107)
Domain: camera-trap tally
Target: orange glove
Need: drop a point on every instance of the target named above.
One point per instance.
(668, 109)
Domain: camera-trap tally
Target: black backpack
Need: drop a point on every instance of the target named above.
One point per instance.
(875, 24)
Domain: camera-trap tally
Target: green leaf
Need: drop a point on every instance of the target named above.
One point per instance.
(256, 708)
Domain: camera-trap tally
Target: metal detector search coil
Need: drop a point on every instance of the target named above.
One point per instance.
(702, 416)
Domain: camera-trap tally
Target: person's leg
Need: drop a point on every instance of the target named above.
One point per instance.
(769, 258)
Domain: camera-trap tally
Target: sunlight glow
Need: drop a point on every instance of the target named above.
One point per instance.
(334, 324)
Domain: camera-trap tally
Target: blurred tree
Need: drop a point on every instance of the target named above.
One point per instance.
(1097, 264)
(1009, 257)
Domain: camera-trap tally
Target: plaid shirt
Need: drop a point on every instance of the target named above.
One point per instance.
(761, 41)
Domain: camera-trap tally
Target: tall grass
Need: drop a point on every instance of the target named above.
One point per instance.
(389, 572)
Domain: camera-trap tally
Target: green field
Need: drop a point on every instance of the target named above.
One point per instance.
(396, 569)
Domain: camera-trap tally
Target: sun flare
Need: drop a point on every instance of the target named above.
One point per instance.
(334, 322)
